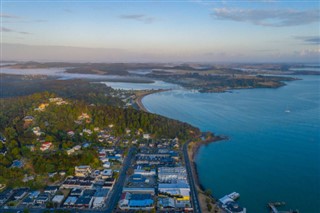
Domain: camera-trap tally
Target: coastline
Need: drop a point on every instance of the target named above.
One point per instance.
(205, 196)
(192, 150)
(143, 93)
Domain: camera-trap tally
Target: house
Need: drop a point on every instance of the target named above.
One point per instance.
(28, 118)
(45, 146)
(5, 196)
(106, 173)
(34, 194)
(82, 171)
(78, 182)
(85, 145)
(36, 130)
(62, 173)
(88, 131)
(73, 149)
(104, 159)
(98, 202)
(70, 151)
(53, 100)
(20, 193)
(27, 201)
(17, 164)
(75, 192)
(83, 116)
(84, 202)
(70, 201)
(42, 198)
(107, 165)
(31, 147)
(70, 133)
(3, 139)
(58, 199)
(27, 178)
(3, 150)
(77, 148)
(88, 192)
(146, 136)
(42, 107)
(51, 189)
(52, 174)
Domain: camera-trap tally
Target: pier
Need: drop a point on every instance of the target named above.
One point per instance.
(273, 207)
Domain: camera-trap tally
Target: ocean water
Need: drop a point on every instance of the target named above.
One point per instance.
(274, 149)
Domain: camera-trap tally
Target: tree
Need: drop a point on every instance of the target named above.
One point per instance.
(208, 192)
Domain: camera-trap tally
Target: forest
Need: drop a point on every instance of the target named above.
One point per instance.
(55, 121)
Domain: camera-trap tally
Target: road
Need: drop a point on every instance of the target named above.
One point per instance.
(115, 194)
(194, 192)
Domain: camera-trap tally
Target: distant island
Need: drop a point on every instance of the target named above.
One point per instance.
(204, 78)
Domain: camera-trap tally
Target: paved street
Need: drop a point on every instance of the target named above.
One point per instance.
(194, 193)
(112, 201)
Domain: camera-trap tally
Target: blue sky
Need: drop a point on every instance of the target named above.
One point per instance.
(204, 31)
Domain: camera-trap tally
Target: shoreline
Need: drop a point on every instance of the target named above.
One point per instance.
(144, 93)
(203, 195)
(192, 153)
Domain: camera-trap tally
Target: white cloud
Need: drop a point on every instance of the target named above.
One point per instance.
(139, 17)
(272, 18)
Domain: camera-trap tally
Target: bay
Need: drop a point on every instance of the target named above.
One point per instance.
(274, 149)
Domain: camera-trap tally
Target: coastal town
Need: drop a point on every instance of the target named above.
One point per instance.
(136, 171)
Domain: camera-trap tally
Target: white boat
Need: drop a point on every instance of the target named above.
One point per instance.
(234, 195)
(287, 110)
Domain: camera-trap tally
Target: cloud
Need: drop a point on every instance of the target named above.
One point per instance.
(8, 30)
(4, 29)
(68, 10)
(271, 18)
(309, 39)
(309, 52)
(139, 17)
(8, 16)
(9, 19)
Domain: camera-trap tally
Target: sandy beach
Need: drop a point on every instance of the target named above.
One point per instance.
(141, 94)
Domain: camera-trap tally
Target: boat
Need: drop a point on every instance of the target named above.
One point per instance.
(234, 195)
(287, 110)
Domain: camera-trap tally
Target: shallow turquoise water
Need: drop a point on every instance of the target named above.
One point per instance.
(272, 155)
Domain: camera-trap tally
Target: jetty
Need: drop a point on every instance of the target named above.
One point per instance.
(273, 208)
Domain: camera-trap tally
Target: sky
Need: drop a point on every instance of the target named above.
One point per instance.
(160, 31)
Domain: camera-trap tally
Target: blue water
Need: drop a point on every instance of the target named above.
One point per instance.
(272, 155)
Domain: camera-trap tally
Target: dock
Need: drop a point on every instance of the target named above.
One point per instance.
(273, 207)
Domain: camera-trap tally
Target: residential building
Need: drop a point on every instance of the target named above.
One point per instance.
(82, 171)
